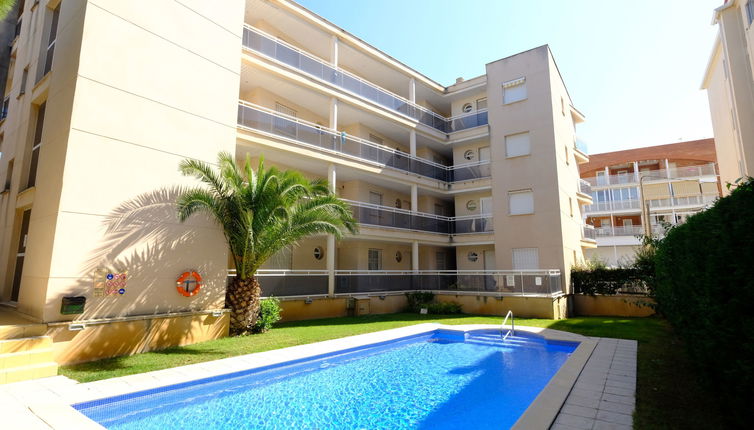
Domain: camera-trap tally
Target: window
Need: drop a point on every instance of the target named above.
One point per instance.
(398, 256)
(570, 206)
(525, 258)
(562, 106)
(568, 161)
(8, 176)
(375, 259)
(514, 91)
(469, 155)
(466, 108)
(51, 40)
(4, 111)
(440, 261)
(318, 253)
(36, 144)
(750, 11)
(517, 145)
(520, 202)
(481, 103)
(24, 78)
(472, 256)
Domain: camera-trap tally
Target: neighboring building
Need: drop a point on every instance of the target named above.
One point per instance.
(670, 182)
(107, 97)
(729, 82)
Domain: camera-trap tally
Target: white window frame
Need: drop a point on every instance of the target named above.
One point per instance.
(523, 211)
(528, 258)
(374, 255)
(512, 142)
(514, 91)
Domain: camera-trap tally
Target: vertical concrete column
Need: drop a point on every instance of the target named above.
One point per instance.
(334, 48)
(414, 198)
(607, 175)
(636, 171)
(333, 113)
(412, 143)
(415, 256)
(412, 90)
(332, 181)
(667, 169)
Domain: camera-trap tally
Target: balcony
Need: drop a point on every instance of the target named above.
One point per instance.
(584, 192)
(614, 205)
(264, 120)
(700, 200)
(580, 151)
(385, 216)
(588, 236)
(654, 175)
(626, 230)
(308, 283)
(277, 50)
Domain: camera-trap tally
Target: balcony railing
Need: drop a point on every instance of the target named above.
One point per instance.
(271, 47)
(626, 230)
(585, 187)
(306, 283)
(588, 232)
(654, 175)
(581, 146)
(386, 216)
(699, 200)
(613, 205)
(258, 118)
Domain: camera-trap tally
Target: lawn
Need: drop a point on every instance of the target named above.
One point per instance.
(668, 396)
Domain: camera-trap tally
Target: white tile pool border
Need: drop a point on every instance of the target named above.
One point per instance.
(46, 403)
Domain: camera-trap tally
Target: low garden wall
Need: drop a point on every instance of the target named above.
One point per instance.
(612, 306)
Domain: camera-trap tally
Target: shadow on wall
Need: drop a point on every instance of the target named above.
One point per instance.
(144, 240)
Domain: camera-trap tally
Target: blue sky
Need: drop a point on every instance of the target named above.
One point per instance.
(634, 68)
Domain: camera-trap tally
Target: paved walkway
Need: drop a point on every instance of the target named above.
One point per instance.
(604, 395)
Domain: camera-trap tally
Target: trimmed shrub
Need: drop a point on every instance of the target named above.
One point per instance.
(269, 314)
(705, 287)
(419, 300)
(444, 308)
(605, 281)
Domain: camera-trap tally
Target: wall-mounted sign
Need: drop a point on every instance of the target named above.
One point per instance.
(510, 280)
(109, 283)
(189, 283)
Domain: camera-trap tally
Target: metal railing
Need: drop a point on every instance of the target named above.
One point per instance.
(653, 175)
(698, 200)
(262, 119)
(273, 48)
(588, 232)
(513, 325)
(612, 205)
(625, 230)
(585, 187)
(307, 283)
(581, 146)
(386, 216)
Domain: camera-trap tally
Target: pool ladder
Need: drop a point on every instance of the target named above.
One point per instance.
(512, 331)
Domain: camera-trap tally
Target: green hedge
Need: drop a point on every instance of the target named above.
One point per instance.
(705, 287)
(606, 281)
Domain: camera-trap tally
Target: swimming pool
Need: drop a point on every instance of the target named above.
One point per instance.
(438, 379)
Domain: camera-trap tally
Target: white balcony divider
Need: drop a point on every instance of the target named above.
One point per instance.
(277, 50)
(261, 119)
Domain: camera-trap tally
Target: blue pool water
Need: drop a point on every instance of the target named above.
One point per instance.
(438, 380)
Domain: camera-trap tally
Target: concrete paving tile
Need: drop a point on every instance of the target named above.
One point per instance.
(604, 425)
(574, 421)
(614, 398)
(589, 394)
(620, 408)
(609, 389)
(580, 411)
(573, 399)
(615, 417)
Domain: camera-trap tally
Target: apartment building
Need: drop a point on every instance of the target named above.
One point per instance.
(729, 82)
(471, 188)
(643, 191)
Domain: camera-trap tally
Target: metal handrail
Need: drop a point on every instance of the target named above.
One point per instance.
(447, 122)
(513, 325)
(271, 272)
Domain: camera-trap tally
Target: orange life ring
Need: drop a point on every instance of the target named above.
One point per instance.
(182, 284)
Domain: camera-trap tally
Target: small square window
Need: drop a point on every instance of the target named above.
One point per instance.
(514, 91)
(517, 145)
(520, 202)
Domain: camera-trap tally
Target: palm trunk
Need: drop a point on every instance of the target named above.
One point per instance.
(242, 298)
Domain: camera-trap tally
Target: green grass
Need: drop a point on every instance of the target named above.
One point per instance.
(668, 396)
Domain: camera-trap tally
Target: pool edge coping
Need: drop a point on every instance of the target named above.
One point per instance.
(540, 414)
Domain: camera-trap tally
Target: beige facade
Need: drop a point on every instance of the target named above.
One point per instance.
(729, 82)
(105, 100)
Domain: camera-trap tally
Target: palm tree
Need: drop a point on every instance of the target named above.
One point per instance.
(260, 213)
